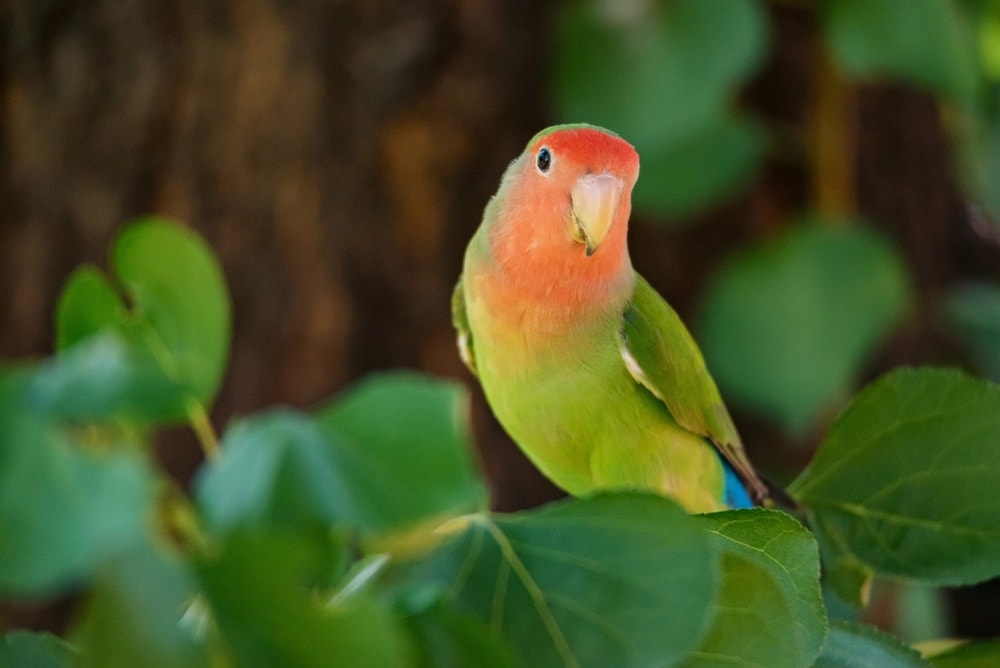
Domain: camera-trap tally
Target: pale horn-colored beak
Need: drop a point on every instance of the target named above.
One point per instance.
(595, 201)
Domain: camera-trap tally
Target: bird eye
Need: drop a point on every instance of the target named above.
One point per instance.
(544, 160)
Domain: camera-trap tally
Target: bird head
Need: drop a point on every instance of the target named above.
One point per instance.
(570, 190)
(556, 229)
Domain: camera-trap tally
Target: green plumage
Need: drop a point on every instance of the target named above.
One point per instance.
(589, 422)
(584, 364)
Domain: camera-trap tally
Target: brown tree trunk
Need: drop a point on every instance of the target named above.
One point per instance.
(336, 155)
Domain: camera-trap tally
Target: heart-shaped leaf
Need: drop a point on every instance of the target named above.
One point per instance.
(178, 311)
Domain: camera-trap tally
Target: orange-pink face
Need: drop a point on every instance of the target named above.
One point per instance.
(564, 205)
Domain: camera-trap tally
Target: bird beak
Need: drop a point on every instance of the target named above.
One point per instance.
(595, 200)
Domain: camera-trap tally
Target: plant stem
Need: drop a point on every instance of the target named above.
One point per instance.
(834, 141)
(203, 429)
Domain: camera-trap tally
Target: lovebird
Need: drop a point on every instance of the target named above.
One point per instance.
(584, 364)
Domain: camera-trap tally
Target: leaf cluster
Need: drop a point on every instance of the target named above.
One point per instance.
(357, 533)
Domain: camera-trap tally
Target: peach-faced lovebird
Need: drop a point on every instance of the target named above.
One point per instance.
(588, 369)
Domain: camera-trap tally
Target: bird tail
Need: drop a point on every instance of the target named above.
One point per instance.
(735, 493)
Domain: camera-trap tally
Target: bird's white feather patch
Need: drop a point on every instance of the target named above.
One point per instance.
(634, 370)
(465, 350)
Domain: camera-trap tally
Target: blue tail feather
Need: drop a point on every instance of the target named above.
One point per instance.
(735, 493)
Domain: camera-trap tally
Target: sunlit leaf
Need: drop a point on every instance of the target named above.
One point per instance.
(788, 324)
(620, 579)
(850, 645)
(905, 480)
(769, 611)
(925, 42)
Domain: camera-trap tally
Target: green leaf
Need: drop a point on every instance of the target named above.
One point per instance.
(973, 312)
(277, 471)
(180, 314)
(976, 131)
(256, 586)
(389, 454)
(401, 441)
(849, 645)
(616, 65)
(178, 288)
(37, 650)
(88, 305)
(788, 324)
(104, 377)
(700, 168)
(448, 639)
(622, 579)
(928, 43)
(63, 510)
(846, 575)
(978, 654)
(905, 480)
(133, 615)
(988, 23)
(664, 75)
(769, 611)
(921, 611)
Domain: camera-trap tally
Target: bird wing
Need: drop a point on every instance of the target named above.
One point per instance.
(460, 320)
(662, 356)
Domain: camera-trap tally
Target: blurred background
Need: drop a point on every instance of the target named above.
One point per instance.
(819, 197)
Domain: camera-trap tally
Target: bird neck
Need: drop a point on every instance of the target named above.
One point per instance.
(552, 297)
